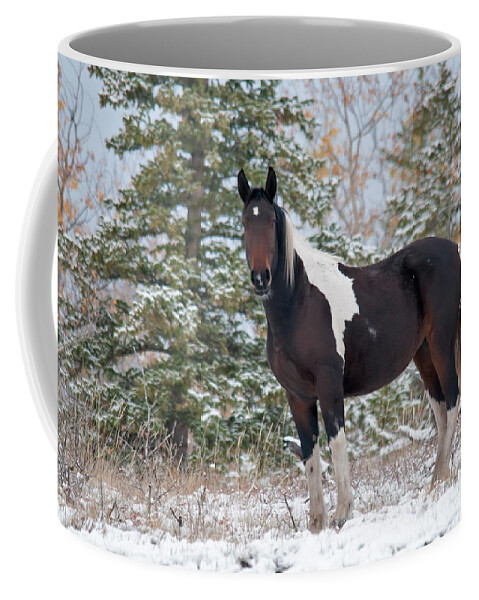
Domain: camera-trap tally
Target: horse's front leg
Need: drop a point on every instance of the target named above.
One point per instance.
(329, 383)
(305, 415)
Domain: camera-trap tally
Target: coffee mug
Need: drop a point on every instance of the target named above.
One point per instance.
(258, 355)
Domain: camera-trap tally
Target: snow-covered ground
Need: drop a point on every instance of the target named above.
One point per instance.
(264, 528)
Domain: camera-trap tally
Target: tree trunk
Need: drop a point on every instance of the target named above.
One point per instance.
(195, 205)
(179, 427)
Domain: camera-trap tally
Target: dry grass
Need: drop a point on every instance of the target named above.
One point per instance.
(193, 505)
(202, 504)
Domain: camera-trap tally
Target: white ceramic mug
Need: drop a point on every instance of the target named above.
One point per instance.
(335, 145)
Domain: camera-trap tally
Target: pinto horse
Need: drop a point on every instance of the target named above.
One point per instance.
(336, 331)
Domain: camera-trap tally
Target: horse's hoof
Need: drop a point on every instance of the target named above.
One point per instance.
(342, 514)
(338, 523)
(439, 477)
(317, 524)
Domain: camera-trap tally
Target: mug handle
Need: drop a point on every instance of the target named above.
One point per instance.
(36, 328)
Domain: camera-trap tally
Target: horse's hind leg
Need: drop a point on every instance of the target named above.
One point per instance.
(439, 280)
(436, 398)
(443, 357)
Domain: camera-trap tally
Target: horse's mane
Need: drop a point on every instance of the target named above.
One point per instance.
(286, 235)
(292, 241)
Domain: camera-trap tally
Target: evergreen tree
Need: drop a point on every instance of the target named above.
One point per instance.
(187, 345)
(429, 164)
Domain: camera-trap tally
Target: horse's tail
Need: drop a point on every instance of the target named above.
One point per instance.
(457, 349)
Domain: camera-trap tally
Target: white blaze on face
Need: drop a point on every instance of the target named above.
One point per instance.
(323, 272)
(255, 211)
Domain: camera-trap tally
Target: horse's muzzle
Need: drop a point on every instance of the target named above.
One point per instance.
(261, 281)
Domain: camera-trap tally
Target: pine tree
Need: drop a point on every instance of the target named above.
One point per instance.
(187, 345)
(429, 164)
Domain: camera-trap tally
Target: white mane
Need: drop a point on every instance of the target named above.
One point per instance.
(308, 254)
(312, 255)
(289, 250)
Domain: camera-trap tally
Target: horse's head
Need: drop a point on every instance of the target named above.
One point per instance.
(259, 222)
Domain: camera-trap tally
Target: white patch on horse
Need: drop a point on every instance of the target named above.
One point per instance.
(256, 210)
(443, 459)
(323, 272)
(373, 332)
(440, 414)
(339, 454)
(317, 511)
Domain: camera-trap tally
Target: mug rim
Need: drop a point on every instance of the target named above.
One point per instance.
(65, 49)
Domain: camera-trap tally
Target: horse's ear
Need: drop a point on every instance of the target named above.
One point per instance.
(270, 189)
(243, 186)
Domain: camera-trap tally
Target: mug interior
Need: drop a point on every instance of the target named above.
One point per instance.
(261, 43)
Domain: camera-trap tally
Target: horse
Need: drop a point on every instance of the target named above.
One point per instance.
(336, 331)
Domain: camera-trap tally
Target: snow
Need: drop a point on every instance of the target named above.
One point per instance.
(410, 524)
(415, 434)
(262, 526)
(290, 438)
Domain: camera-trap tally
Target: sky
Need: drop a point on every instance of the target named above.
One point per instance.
(100, 124)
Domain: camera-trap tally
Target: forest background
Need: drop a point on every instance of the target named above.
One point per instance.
(161, 343)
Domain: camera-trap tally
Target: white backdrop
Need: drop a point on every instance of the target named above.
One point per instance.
(39, 556)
